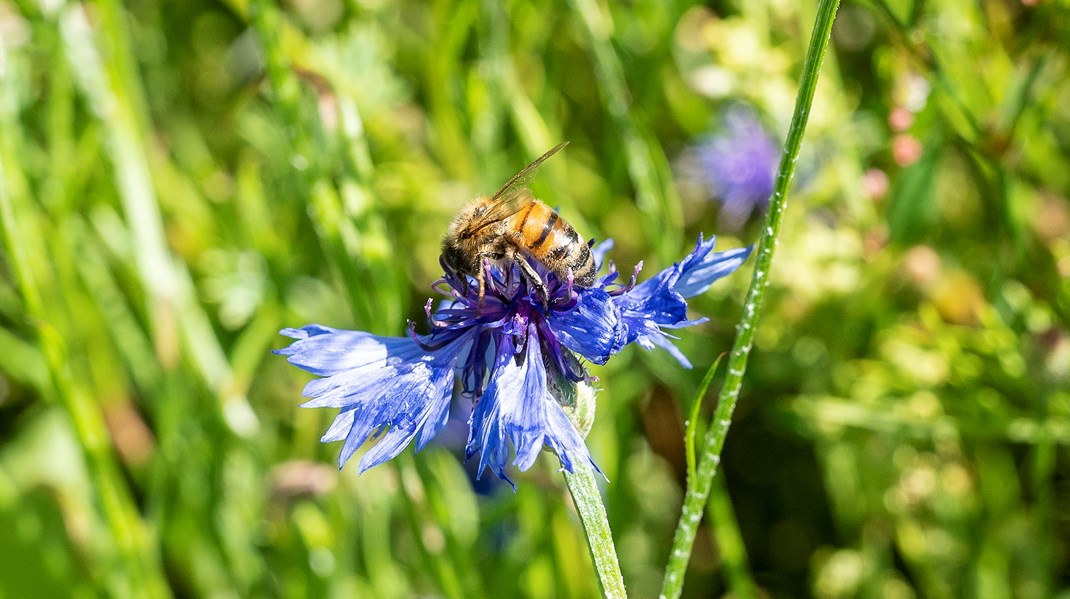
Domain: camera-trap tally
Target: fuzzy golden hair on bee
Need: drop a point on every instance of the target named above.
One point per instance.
(513, 226)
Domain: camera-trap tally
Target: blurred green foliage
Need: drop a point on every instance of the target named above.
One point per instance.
(179, 180)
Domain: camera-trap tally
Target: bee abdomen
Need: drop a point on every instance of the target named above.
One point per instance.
(550, 239)
(581, 262)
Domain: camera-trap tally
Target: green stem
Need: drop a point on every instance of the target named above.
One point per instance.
(581, 484)
(698, 489)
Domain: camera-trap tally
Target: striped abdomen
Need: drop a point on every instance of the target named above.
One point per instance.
(542, 234)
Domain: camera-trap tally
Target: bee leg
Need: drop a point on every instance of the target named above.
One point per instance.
(481, 277)
(533, 277)
(485, 259)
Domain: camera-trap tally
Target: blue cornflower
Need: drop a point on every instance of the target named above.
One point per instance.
(739, 165)
(514, 356)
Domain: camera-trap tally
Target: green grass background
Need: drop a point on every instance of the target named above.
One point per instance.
(179, 180)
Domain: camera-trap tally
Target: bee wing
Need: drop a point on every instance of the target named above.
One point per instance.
(502, 208)
(525, 176)
(514, 195)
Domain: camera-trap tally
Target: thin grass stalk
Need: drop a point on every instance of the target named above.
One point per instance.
(114, 93)
(730, 542)
(698, 489)
(136, 571)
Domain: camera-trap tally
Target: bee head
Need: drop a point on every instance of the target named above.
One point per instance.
(454, 256)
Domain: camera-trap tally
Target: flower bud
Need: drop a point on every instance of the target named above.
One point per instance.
(576, 398)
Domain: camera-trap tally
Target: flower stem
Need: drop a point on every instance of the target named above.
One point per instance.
(698, 488)
(581, 485)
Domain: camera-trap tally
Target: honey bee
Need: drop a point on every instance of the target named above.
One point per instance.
(512, 226)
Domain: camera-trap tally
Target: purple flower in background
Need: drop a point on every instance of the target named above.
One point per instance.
(514, 357)
(738, 165)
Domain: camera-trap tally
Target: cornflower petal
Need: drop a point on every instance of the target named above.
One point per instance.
(593, 328)
(599, 251)
(379, 382)
(701, 268)
(659, 303)
(517, 407)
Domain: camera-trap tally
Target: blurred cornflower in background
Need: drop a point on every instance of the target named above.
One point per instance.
(515, 355)
(737, 166)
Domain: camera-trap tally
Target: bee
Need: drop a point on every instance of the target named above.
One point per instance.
(513, 226)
